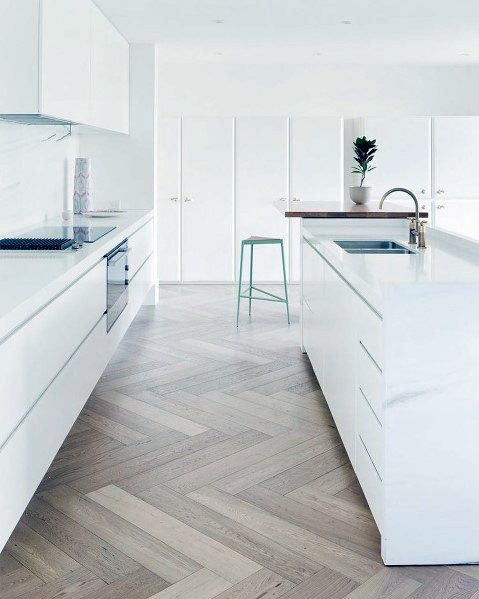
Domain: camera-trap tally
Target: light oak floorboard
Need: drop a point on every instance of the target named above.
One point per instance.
(163, 417)
(130, 540)
(204, 584)
(202, 549)
(260, 585)
(212, 472)
(310, 545)
(39, 555)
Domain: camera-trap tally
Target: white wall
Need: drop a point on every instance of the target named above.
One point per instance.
(243, 89)
(36, 177)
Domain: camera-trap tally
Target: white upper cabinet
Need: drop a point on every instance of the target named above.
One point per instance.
(458, 216)
(403, 158)
(456, 148)
(19, 23)
(109, 98)
(169, 189)
(64, 60)
(316, 168)
(207, 199)
(261, 179)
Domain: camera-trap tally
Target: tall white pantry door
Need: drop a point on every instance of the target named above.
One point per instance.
(262, 179)
(207, 199)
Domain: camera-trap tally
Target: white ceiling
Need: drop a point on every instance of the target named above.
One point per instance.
(295, 31)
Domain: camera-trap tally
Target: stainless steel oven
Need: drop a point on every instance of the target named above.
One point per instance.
(117, 282)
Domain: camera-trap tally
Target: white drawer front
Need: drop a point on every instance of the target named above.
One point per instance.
(26, 456)
(370, 331)
(370, 430)
(140, 246)
(371, 382)
(370, 482)
(33, 355)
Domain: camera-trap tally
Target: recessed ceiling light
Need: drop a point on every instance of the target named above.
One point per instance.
(218, 21)
(318, 54)
(346, 22)
(464, 54)
(219, 53)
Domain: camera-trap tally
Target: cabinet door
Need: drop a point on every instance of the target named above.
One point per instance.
(109, 100)
(456, 147)
(312, 310)
(339, 351)
(316, 169)
(403, 158)
(169, 199)
(65, 59)
(261, 180)
(207, 199)
(458, 216)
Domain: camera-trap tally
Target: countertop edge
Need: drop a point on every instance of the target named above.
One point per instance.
(341, 214)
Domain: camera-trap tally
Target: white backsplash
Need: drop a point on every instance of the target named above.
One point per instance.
(36, 176)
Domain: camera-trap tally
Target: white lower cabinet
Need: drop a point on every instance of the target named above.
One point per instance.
(31, 357)
(49, 367)
(341, 334)
(26, 456)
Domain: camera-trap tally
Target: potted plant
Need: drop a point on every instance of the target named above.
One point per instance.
(364, 151)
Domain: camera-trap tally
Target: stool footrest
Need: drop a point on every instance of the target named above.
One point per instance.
(246, 294)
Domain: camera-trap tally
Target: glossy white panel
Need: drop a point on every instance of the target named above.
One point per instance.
(207, 199)
(110, 65)
(261, 178)
(316, 167)
(456, 146)
(403, 158)
(65, 59)
(169, 198)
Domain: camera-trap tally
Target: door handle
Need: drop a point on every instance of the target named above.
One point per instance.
(439, 206)
(296, 199)
(173, 199)
(439, 191)
(283, 199)
(188, 199)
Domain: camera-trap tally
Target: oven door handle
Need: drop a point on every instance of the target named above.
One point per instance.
(117, 256)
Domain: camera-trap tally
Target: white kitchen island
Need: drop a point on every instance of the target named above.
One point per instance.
(394, 343)
(55, 344)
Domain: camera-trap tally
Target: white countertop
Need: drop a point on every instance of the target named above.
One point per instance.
(30, 280)
(448, 260)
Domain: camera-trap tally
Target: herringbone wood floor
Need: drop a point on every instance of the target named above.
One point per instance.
(206, 464)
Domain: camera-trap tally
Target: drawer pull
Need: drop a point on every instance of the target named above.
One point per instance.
(370, 407)
(370, 458)
(370, 356)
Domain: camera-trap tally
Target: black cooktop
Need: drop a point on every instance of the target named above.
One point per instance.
(28, 243)
(54, 238)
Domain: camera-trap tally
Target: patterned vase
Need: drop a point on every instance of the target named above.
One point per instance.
(82, 194)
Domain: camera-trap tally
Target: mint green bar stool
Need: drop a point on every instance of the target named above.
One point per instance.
(248, 292)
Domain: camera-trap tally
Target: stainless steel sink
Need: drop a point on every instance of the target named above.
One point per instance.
(373, 246)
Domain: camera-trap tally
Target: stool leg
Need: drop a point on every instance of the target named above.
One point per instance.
(284, 280)
(239, 284)
(250, 277)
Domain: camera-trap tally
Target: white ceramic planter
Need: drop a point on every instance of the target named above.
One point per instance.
(360, 195)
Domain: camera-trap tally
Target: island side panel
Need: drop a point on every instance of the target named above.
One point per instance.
(432, 424)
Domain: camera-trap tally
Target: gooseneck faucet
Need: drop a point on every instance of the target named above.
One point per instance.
(416, 227)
